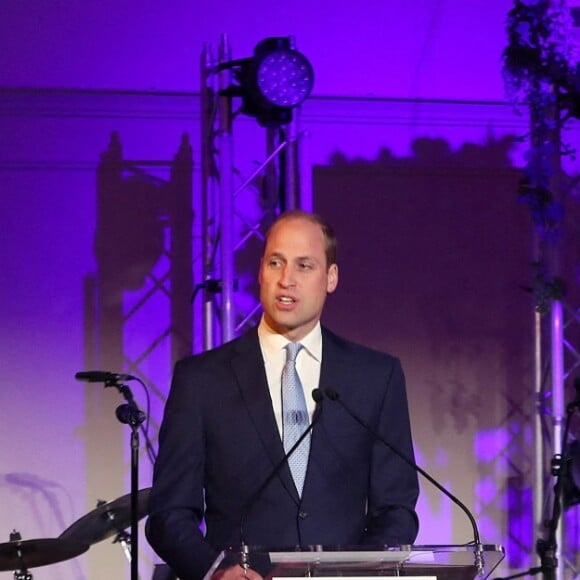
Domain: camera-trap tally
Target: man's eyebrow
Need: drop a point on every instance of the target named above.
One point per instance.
(308, 259)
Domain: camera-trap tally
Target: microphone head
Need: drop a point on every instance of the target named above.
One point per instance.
(331, 394)
(102, 377)
(317, 396)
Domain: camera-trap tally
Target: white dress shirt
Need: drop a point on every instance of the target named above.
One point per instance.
(308, 362)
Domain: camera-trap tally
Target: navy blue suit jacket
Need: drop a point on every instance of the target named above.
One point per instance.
(219, 442)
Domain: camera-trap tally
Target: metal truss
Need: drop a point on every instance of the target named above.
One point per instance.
(237, 207)
(556, 351)
(564, 362)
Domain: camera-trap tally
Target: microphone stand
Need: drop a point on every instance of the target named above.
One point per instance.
(478, 554)
(131, 415)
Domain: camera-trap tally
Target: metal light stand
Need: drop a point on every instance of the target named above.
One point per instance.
(549, 549)
(130, 414)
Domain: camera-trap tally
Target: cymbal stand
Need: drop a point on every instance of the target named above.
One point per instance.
(23, 573)
(124, 539)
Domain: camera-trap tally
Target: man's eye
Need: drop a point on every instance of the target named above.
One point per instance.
(275, 263)
(305, 266)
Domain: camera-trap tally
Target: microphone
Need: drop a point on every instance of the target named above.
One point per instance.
(102, 377)
(318, 398)
(479, 563)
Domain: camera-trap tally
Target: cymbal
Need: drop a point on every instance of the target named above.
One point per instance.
(107, 519)
(24, 554)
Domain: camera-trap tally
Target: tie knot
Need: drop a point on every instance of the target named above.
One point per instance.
(292, 350)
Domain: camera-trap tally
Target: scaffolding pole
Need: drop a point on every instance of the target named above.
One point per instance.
(557, 341)
(226, 195)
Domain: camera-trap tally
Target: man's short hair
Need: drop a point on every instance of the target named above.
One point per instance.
(327, 230)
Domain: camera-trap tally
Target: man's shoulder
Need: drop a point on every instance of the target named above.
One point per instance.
(353, 349)
(244, 344)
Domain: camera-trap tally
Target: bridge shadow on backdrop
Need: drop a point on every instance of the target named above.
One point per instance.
(434, 252)
(138, 314)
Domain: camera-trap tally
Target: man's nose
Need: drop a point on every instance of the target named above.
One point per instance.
(287, 276)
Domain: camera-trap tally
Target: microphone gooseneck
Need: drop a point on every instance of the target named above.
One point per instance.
(318, 397)
(478, 554)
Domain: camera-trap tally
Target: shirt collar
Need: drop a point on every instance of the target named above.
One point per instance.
(272, 342)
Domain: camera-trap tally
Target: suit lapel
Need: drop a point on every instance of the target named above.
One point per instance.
(248, 367)
(334, 366)
(334, 369)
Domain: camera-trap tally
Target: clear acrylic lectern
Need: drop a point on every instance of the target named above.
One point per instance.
(442, 562)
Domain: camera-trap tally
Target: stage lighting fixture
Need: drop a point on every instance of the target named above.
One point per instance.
(273, 82)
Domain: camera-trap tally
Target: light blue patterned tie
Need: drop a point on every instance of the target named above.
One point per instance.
(295, 416)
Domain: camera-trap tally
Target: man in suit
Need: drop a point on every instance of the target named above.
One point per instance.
(215, 482)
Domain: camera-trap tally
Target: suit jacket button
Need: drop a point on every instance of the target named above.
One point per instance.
(302, 514)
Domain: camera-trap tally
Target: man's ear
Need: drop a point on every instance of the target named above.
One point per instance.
(332, 282)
